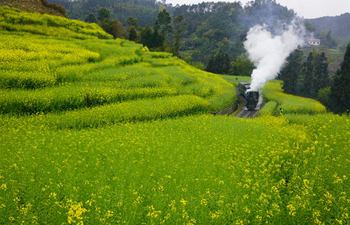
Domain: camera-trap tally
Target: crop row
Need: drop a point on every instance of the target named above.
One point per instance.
(131, 111)
(49, 25)
(290, 103)
(268, 109)
(70, 97)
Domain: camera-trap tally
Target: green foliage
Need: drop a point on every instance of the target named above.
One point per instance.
(241, 65)
(290, 103)
(268, 109)
(219, 63)
(324, 96)
(341, 86)
(289, 74)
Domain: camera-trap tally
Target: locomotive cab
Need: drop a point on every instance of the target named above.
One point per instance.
(251, 99)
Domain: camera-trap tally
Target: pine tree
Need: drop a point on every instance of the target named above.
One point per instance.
(340, 91)
(163, 28)
(219, 63)
(91, 18)
(178, 31)
(308, 72)
(291, 71)
(321, 73)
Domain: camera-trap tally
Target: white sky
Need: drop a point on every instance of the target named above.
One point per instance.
(304, 8)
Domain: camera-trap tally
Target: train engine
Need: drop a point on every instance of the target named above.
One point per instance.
(251, 99)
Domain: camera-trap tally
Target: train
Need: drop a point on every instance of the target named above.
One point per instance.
(252, 100)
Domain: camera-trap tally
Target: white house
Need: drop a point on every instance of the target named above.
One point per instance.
(314, 42)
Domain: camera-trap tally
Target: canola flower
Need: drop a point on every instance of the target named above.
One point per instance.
(75, 213)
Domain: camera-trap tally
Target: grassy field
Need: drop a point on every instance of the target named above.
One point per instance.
(102, 131)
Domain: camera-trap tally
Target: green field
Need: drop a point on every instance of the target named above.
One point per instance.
(103, 131)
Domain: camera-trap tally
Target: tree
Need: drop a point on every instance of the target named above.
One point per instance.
(91, 18)
(340, 91)
(178, 31)
(132, 34)
(163, 28)
(163, 22)
(219, 63)
(104, 14)
(241, 65)
(308, 72)
(151, 38)
(291, 71)
(321, 73)
(117, 29)
(132, 22)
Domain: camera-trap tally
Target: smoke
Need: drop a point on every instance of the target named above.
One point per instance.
(269, 51)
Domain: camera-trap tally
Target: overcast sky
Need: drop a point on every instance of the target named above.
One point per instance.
(304, 8)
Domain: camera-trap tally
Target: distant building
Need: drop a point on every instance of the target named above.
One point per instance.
(314, 42)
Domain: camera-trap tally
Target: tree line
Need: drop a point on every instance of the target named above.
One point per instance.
(165, 34)
(310, 78)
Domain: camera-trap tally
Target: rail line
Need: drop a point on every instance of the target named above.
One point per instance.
(247, 114)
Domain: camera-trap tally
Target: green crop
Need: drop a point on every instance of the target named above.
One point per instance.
(290, 103)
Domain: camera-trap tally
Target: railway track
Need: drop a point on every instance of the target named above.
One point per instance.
(247, 114)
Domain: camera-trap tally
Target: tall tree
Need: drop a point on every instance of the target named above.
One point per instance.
(321, 73)
(308, 72)
(104, 14)
(132, 34)
(291, 71)
(219, 63)
(117, 29)
(178, 31)
(163, 27)
(91, 18)
(241, 65)
(132, 22)
(151, 38)
(340, 91)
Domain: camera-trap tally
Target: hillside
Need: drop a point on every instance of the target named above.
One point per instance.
(338, 25)
(103, 131)
(42, 6)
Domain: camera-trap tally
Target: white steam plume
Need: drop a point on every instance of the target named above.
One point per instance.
(269, 52)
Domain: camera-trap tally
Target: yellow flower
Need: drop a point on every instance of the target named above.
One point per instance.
(214, 215)
(75, 213)
(53, 195)
(183, 202)
(3, 187)
(109, 213)
(152, 212)
(204, 202)
(329, 198)
(291, 209)
(239, 222)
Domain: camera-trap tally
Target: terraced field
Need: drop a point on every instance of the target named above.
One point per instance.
(102, 131)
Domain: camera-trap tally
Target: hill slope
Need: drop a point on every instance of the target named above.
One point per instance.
(42, 6)
(102, 131)
(338, 25)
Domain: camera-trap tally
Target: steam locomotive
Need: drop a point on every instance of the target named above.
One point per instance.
(251, 99)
